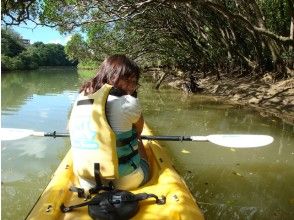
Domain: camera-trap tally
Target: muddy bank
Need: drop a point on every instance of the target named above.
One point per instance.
(265, 95)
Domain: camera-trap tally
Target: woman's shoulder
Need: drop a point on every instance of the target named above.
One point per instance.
(130, 99)
(125, 101)
(126, 105)
(130, 104)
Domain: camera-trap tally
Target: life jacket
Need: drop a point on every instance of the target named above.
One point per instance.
(94, 141)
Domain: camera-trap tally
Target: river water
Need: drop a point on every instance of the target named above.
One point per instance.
(227, 183)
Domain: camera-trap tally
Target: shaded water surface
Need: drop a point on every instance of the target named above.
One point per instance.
(227, 183)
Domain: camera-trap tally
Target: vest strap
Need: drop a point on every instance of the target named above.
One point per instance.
(127, 158)
(99, 186)
(85, 102)
(80, 191)
(118, 92)
(125, 141)
(105, 201)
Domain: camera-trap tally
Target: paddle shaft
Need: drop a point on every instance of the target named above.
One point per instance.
(225, 140)
(167, 138)
(54, 134)
(144, 137)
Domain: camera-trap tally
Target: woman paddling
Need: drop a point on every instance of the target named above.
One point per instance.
(105, 127)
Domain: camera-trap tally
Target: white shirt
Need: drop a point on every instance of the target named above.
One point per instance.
(122, 112)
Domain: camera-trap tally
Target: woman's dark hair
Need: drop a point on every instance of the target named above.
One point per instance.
(111, 70)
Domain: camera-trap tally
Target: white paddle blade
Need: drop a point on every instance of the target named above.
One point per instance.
(8, 134)
(240, 140)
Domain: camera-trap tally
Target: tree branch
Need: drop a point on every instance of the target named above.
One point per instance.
(237, 17)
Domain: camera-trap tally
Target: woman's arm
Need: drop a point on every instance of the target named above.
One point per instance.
(139, 128)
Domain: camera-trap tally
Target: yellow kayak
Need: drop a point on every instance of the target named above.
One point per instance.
(165, 181)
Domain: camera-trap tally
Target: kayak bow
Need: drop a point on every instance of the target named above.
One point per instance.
(165, 181)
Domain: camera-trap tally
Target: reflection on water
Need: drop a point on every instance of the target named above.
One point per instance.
(38, 100)
(227, 183)
(245, 190)
(255, 183)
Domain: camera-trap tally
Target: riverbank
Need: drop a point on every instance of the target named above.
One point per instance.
(265, 95)
(269, 97)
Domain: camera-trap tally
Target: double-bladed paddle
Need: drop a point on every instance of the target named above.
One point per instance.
(225, 140)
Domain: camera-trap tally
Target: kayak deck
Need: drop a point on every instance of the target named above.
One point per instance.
(165, 181)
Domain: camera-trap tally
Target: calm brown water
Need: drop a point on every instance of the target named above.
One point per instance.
(227, 183)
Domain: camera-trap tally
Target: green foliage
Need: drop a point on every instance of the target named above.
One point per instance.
(86, 74)
(190, 35)
(278, 15)
(17, 57)
(88, 64)
(49, 54)
(6, 62)
(288, 57)
(11, 43)
(102, 40)
(76, 48)
(21, 62)
(17, 12)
